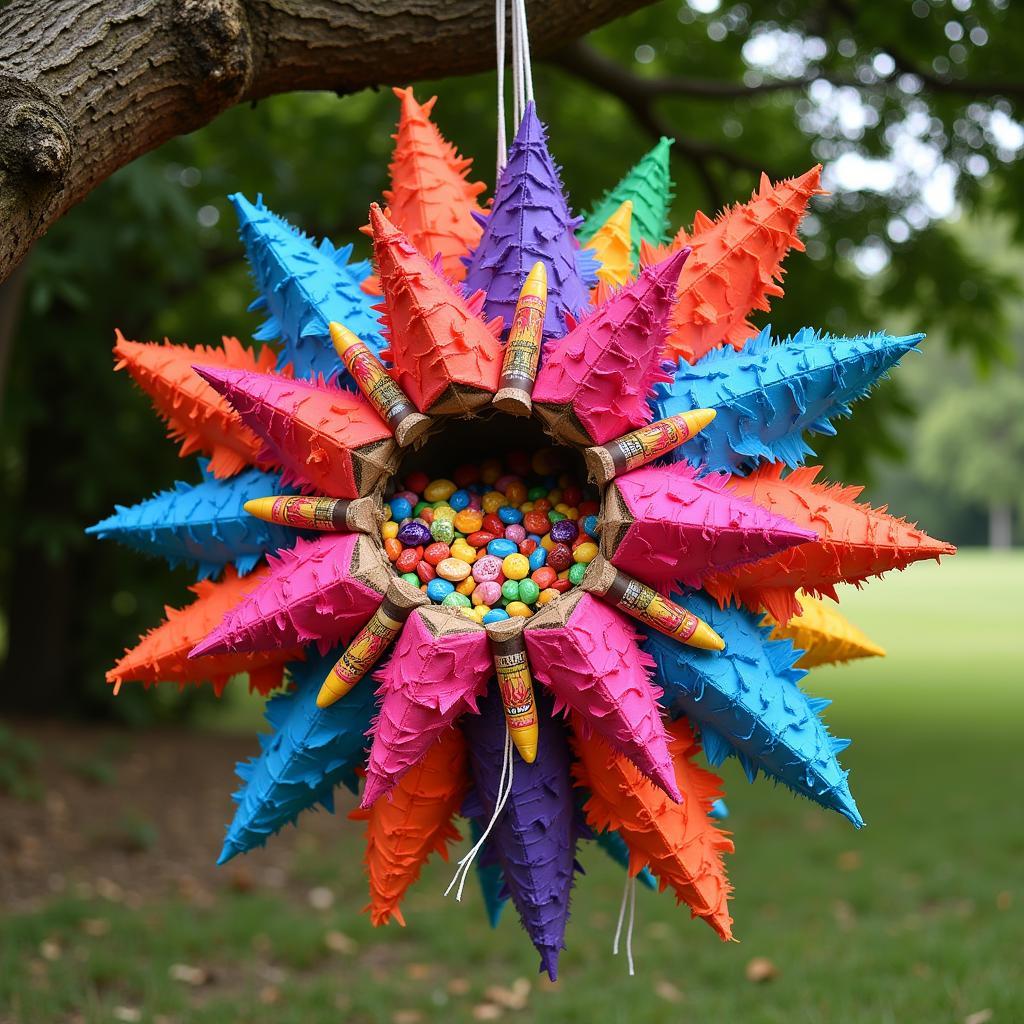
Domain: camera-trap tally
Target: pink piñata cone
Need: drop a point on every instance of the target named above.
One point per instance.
(594, 383)
(586, 654)
(328, 440)
(321, 590)
(665, 526)
(439, 669)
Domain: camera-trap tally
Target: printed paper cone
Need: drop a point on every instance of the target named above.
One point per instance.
(162, 655)
(439, 668)
(746, 701)
(769, 395)
(824, 634)
(308, 752)
(854, 542)
(595, 383)
(612, 247)
(204, 524)
(530, 220)
(403, 831)
(445, 358)
(328, 440)
(586, 654)
(195, 414)
(321, 591)
(667, 527)
(303, 287)
(535, 836)
(678, 841)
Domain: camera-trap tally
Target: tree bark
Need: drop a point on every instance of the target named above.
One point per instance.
(86, 86)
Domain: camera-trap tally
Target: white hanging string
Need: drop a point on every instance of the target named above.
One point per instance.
(504, 790)
(524, 50)
(628, 896)
(499, 23)
(522, 70)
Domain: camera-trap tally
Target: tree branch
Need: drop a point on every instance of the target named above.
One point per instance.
(86, 86)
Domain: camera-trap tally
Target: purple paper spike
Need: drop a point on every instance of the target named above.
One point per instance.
(535, 836)
(530, 220)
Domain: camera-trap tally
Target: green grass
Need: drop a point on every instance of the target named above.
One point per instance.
(915, 918)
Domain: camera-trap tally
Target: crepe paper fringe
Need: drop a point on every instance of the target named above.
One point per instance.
(195, 414)
(202, 524)
(648, 186)
(606, 367)
(681, 527)
(432, 678)
(535, 837)
(615, 846)
(824, 634)
(307, 594)
(768, 396)
(677, 841)
(416, 821)
(530, 220)
(431, 198)
(747, 703)
(308, 752)
(326, 439)
(162, 654)
(593, 665)
(736, 266)
(436, 338)
(303, 287)
(854, 542)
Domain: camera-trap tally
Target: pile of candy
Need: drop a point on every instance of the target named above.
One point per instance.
(497, 540)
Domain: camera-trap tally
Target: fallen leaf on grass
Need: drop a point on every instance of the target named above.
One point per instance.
(320, 898)
(486, 1011)
(667, 991)
(512, 998)
(979, 1017)
(339, 942)
(761, 969)
(187, 974)
(127, 1014)
(458, 986)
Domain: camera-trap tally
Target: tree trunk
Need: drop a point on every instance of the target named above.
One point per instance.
(1000, 526)
(86, 86)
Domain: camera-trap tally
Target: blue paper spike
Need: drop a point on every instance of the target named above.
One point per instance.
(719, 810)
(768, 396)
(304, 287)
(202, 523)
(747, 697)
(615, 846)
(310, 751)
(488, 872)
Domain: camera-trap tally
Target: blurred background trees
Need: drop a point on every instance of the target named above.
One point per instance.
(913, 109)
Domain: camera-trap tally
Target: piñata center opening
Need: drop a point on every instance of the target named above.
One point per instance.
(492, 518)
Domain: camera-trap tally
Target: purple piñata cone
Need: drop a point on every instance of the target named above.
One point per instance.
(595, 382)
(535, 835)
(440, 666)
(321, 591)
(667, 527)
(586, 654)
(530, 220)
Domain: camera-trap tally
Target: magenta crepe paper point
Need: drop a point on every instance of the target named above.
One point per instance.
(431, 679)
(593, 664)
(684, 528)
(606, 367)
(308, 596)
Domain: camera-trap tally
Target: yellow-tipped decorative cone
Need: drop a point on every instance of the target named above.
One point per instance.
(824, 634)
(612, 246)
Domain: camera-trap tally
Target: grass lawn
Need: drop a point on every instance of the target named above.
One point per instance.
(918, 917)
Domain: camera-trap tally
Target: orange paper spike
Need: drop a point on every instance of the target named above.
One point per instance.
(824, 634)
(414, 821)
(162, 654)
(735, 266)
(445, 358)
(679, 842)
(430, 198)
(855, 542)
(195, 414)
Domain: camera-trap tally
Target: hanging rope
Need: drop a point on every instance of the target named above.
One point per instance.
(499, 32)
(628, 896)
(522, 70)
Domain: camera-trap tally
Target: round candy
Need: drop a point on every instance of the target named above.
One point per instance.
(536, 492)
(590, 525)
(456, 600)
(467, 586)
(479, 539)
(501, 547)
(589, 508)
(468, 521)
(536, 522)
(515, 533)
(560, 557)
(572, 495)
(585, 553)
(495, 615)
(510, 590)
(426, 571)
(509, 515)
(412, 534)
(544, 577)
(492, 524)
(392, 548)
(460, 549)
(454, 569)
(400, 508)
(417, 481)
(492, 501)
(487, 569)
(442, 530)
(537, 558)
(419, 507)
(459, 500)
(388, 530)
(561, 585)
(407, 560)
(555, 516)
(576, 573)
(427, 515)
(517, 608)
(438, 589)
(466, 475)
(515, 566)
(436, 553)
(565, 531)
(487, 593)
(528, 591)
(411, 578)
(439, 490)
(490, 470)
(443, 511)
(527, 547)
(547, 595)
